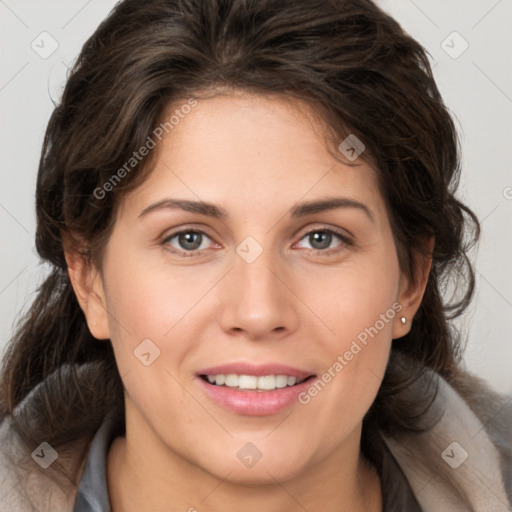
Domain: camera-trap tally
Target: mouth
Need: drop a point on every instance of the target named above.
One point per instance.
(258, 383)
(254, 390)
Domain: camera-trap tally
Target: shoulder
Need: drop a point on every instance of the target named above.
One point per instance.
(463, 460)
(494, 412)
(36, 473)
(27, 485)
(44, 447)
(493, 409)
(38, 477)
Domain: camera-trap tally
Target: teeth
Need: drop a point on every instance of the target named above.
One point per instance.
(291, 381)
(263, 383)
(232, 380)
(248, 382)
(267, 382)
(281, 381)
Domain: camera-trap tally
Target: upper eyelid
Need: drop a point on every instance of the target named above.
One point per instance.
(336, 230)
(187, 229)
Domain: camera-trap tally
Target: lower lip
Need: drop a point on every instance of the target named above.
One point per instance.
(252, 402)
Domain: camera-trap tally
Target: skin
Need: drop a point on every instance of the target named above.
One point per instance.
(296, 304)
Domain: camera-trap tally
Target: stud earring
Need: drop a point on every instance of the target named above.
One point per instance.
(403, 320)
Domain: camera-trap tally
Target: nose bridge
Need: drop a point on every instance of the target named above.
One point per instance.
(256, 300)
(256, 281)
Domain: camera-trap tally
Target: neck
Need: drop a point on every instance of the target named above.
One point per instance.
(152, 477)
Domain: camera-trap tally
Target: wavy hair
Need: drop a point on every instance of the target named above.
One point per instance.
(350, 61)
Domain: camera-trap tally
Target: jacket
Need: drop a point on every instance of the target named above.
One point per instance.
(461, 463)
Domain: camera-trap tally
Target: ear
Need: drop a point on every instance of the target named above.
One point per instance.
(411, 291)
(87, 283)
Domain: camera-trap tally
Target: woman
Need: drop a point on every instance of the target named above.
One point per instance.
(249, 211)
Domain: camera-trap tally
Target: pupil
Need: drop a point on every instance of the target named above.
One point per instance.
(190, 241)
(320, 240)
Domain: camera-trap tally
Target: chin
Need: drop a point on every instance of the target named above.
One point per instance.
(250, 466)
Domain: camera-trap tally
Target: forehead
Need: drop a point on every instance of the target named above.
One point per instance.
(252, 151)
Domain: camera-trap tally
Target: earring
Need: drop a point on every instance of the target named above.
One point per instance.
(403, 320)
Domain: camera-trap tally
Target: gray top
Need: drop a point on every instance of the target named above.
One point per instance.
(92, 495)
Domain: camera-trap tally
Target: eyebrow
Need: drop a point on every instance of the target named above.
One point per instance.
(299, 210)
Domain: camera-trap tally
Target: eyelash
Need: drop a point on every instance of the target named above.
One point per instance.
(345, 242)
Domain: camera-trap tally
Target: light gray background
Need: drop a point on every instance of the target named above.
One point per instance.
(476, 85)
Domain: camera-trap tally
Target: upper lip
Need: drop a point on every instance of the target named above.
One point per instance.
(246, 368)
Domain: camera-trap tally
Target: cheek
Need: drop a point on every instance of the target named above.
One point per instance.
(143, 307)
(148, 301)
(146, 309)
(359, 305)
(356, 301)
(156, 310)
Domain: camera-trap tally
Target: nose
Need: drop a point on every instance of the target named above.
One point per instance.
(257, 301)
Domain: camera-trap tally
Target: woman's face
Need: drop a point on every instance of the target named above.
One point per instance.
(261, 283)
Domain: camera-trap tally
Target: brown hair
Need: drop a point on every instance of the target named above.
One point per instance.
(348, 58)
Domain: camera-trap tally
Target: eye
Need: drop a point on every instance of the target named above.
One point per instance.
(322, 240)
(193, 241)
(188, 241)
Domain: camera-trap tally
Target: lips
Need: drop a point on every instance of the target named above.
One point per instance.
(254, 390)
